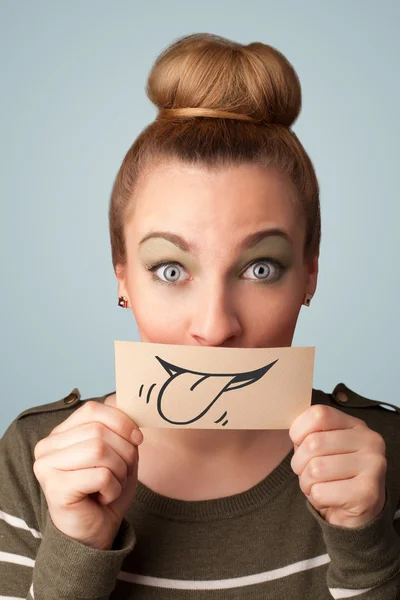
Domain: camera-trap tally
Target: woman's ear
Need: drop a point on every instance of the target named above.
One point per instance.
(312, 275)
(120, 274)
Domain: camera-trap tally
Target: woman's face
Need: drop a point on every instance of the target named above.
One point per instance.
(215, 258)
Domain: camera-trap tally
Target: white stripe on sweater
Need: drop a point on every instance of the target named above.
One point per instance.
(344, 593)
(219, 584)
(16, 559)
(20, 523)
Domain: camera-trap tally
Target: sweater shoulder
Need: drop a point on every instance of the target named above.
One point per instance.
(383, 417)
(66, 403)
(39, 420)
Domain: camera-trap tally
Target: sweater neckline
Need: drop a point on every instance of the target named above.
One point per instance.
(215, 509)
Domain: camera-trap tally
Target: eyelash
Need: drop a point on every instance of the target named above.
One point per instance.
(277, 264)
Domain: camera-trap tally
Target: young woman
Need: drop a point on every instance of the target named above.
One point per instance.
(215, 233)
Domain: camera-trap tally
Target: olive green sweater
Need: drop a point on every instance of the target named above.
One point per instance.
(265, 543)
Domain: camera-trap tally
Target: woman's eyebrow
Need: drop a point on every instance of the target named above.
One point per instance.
(249, 242)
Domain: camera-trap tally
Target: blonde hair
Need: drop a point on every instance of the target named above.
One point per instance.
(220, 103)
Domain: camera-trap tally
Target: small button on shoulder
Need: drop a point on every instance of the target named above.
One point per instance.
(342, 397)
(72, 398)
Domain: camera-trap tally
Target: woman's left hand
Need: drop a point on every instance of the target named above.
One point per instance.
(341, 464)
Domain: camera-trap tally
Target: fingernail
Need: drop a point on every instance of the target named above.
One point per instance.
(137, 437)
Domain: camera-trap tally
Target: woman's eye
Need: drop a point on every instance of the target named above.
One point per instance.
(167, 272)
(265, 270)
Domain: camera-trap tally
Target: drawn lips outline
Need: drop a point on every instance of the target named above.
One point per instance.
(238, 380)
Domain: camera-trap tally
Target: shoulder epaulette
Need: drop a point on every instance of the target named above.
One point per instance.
(67, 402)
(344, 396)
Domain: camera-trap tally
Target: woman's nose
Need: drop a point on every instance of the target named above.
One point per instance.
(214, 320)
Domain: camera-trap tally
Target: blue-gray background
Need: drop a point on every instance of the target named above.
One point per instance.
(72, 102)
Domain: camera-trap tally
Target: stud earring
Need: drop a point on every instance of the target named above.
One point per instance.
(123, 302)
(307, 299)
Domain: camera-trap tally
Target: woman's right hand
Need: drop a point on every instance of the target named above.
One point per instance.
(87, 467)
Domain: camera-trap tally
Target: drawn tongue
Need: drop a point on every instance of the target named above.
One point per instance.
(180, 404)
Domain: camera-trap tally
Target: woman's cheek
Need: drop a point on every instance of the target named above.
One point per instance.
(284, 323)
(157, 322)
(274, 313)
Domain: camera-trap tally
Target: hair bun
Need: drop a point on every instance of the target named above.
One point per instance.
(210, 71)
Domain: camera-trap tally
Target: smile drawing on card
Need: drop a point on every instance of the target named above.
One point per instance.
(201, 387)
(195, 382)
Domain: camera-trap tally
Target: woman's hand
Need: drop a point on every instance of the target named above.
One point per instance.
(87, 467)
(341, 465)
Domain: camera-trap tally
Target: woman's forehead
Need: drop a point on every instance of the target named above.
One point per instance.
(237, 198)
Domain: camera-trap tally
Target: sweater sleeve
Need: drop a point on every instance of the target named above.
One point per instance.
(364, 561)
(36, 558)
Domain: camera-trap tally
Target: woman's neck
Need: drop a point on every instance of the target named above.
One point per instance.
(228, 444)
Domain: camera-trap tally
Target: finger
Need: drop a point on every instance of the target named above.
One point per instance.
(76, 485)
(330, 468)
(124, 501)
(324, 443)
(112, 417)
(337, 494)
(320, 417)
(87, 431)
